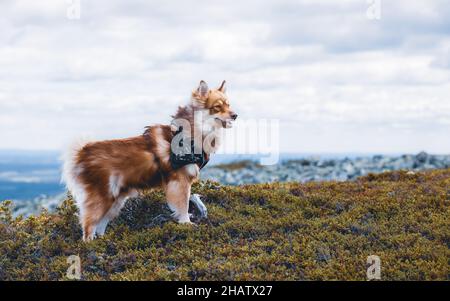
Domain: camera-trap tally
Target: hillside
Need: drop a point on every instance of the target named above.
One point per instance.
(279, 231)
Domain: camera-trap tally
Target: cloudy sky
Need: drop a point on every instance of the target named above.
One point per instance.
(336, 77)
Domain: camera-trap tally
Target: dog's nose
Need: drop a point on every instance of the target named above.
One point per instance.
(234, 116)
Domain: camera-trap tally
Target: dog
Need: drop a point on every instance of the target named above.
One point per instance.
(102, 175)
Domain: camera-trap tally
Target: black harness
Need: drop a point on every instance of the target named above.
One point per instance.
(188, 156)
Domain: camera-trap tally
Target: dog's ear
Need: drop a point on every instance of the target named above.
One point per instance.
(223, 87)
(200, 96)
(202, 91)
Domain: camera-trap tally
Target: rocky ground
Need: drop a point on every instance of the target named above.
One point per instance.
(317, 169)
(28, 207)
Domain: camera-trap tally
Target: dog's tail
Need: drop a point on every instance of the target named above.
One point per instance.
(71, 169)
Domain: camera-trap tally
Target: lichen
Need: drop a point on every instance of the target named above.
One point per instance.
(279, 231)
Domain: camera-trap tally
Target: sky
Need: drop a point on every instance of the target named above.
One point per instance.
(336, 76)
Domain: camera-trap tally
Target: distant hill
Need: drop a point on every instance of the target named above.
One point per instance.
(26, 175)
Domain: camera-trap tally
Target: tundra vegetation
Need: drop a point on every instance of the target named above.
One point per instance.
(277, 231)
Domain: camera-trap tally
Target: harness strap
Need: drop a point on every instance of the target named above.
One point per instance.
(180, 160)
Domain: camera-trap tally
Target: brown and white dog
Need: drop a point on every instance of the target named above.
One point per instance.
(102, 175)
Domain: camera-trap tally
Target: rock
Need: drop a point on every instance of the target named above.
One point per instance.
(349, 168)
(323, 254)
(421, 158)
(326, 163)
(377, 158)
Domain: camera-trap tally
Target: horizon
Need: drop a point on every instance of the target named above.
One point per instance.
(4, 151)
(32, 175)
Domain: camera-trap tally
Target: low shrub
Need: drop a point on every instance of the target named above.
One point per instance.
(280, 231)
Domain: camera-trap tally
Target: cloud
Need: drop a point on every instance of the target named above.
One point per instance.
(321, 67)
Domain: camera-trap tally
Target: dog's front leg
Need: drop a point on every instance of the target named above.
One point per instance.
(195, 199)
(177, 196)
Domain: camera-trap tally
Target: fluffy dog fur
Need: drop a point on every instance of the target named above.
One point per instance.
(102, 175)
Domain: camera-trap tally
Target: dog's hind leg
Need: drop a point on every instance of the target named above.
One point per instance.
(177, 195)
(195, 199)
(114, 211)
(89, 224)
(95, 210)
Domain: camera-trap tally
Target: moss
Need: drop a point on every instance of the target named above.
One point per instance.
(280, 231)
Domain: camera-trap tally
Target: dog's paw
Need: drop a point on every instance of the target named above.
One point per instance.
(203, 211)
(189, 223)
